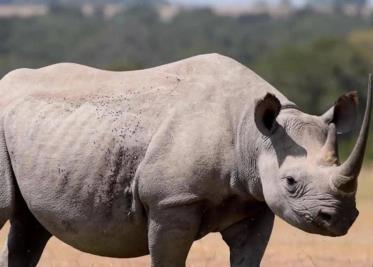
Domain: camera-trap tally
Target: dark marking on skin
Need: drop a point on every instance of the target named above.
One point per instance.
(122, 165)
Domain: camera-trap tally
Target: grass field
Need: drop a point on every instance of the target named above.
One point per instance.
(288, 246)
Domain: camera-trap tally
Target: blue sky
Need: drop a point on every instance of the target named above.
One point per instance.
(229, 2)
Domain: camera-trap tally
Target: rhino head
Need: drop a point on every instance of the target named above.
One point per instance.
(302, 179)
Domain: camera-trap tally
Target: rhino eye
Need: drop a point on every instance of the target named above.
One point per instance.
(290, 181)
(291, 184)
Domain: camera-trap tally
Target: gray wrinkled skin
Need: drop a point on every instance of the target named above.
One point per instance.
(123, 164)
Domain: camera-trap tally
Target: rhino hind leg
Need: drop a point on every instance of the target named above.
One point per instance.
(6, 182)
(26, 239)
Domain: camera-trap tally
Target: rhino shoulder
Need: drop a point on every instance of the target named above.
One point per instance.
(190, 157)
(205, 64)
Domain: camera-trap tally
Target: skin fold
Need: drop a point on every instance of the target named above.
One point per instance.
(125, 164)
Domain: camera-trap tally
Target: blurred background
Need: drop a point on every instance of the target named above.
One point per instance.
(311, 50)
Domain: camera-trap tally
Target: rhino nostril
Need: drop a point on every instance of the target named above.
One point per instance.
(324, 216)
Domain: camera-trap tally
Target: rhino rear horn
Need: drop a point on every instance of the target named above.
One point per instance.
(329, 152)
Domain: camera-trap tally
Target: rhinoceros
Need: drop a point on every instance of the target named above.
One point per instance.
(125, 164)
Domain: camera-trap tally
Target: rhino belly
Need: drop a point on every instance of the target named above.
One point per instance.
(75, 168)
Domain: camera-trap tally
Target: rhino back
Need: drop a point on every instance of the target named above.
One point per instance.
(195, 77)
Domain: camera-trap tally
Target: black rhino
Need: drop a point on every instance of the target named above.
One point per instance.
(123, 164)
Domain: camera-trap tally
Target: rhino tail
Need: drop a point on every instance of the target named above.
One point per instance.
(7, 191)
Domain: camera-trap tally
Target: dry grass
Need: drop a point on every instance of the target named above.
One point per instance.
(288, 246)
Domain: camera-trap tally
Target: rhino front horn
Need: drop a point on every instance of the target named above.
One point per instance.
(346, 179)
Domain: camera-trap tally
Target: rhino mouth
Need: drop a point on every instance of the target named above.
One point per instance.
(333, 226)
(326, 221)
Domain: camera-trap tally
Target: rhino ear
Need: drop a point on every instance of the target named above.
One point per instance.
(344, 113)
(266, 111)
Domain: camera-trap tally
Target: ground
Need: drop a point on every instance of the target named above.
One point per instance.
(288, 246)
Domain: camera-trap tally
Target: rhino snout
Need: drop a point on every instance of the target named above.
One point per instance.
(333, 223)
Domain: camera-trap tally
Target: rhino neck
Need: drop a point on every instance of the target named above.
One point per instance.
(247, 152)
(249, 144)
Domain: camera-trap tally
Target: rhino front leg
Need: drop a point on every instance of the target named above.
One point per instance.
(248, 239)
(172, 232)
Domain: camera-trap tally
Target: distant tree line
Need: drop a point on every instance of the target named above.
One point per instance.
(80, 2)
